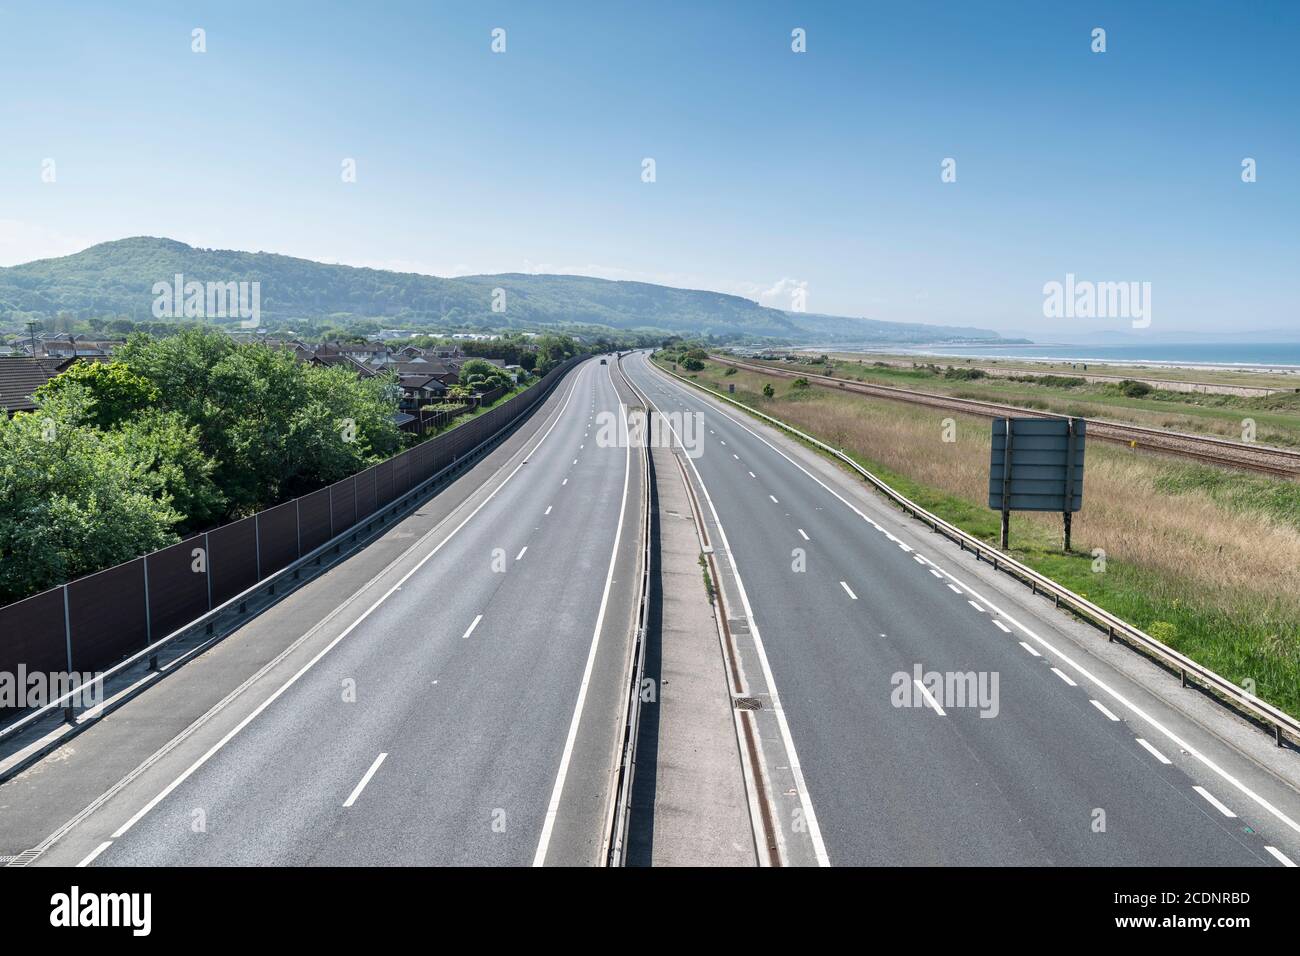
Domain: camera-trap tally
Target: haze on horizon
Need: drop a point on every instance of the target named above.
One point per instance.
(774, 170)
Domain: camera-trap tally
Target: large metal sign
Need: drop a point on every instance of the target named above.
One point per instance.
(1036, 465)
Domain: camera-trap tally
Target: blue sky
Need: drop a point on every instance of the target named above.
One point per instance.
(773, 168)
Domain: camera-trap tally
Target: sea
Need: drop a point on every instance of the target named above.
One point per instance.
(1283, 356)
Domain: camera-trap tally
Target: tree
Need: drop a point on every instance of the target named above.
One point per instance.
(116, 393)
(72, 500)
(768, 390)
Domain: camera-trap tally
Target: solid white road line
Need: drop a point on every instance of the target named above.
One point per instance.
(470, 630)
(929, 699)
(230, 735)
(1102, 707)
(521, 553)
(547, 511)
(846, 587)
(90, 858)
(1152, 751)
(1064, 676)
(564, 482)
(1034, 652)
(803, 533)
(364, 780)
(1082, 671)
(752, 475)
(1214, 801)
(553, 808)
(1279, 856)
(774, 501)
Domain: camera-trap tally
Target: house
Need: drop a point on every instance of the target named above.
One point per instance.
(20, 375)
(333, 360)
(418, 391)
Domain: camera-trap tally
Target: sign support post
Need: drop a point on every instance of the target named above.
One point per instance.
(1006, 489)
(1069, 481)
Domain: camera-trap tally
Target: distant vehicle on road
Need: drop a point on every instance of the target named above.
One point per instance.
(603, 362)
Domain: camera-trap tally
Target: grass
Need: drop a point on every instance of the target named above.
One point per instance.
(1276, 417)
(1205, 558)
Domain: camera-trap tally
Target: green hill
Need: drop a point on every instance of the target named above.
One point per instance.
(116, 279)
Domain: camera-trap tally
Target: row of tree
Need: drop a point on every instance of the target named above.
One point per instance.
(175, 435)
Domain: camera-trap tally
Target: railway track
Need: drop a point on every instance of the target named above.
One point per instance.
(1262, 459)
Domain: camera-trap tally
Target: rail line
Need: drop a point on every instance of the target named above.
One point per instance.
(1263, 459)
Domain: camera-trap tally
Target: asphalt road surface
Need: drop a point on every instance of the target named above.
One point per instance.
(463, 708)
(1071, 761)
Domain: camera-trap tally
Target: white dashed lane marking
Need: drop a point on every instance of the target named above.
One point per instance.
(1152, 751)
(1214, 801)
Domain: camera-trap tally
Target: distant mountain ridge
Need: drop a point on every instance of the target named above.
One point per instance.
(117, 278)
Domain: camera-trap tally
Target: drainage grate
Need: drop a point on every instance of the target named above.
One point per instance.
(22, 859)
(747, 703)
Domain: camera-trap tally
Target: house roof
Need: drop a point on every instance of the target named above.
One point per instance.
(19, 377)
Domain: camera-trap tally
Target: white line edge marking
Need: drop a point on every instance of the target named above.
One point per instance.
(208, 754)
(1064, 658)
(1031, 650)
(547, 511)
(929, 699)
(1064, 676)
(521, 552)
(845, 586)
(804, 533)
(1152, 751)
(1110, 715)
(473, 624)
(356, 791)
(1214, 801)
(553, 808)
(976, 606)
(90, 858)
(796, 769)
(774, 501)
(954, 589)
(1279, 856)
(1001, 626)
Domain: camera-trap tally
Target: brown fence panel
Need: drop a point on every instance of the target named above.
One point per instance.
(277, 531)
(232, 559)
(177, 593)
(365, 494)
(32, 636)
(402, 474)
(314, 519)
(107, 615)
(344, 503)
(384, 484)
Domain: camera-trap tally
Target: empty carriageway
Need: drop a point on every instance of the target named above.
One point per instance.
(463, 707)
(1053, 754)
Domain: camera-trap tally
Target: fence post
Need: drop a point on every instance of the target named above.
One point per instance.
(68, 714)
(148, 618)
(257, 544)
(207, 567)
(331, 511)
(297, 522)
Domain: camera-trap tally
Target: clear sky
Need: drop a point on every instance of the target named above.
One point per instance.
(773, 168)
